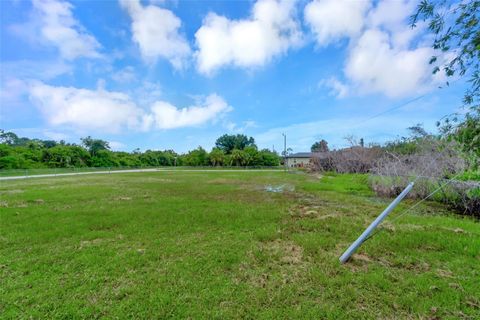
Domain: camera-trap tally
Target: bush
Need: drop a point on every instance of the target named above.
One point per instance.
(463, 196)
(435, 163)
(350, 160)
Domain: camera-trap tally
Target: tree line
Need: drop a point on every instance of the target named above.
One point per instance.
(25, 153)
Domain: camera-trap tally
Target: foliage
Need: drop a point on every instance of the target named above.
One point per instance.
(268, 158)
(23, 153)
(470, 175)
(227, 143)
(468, 135)
(463, 196)
(320, 146)
(12, 139)
(94, 145)
(196, 157)
(104, 158)
(417, 140)
(239, 157)
(216, 157)
(66, 156)
(157, 158)
(456, 27)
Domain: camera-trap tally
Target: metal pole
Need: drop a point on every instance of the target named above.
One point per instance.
(285, 151)
(354, 246)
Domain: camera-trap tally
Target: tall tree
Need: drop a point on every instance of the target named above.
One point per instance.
(320, 146)
(216, 157)
(196, 157)
(228, 142)
(239, 157)
(9, 138)
(94, 145)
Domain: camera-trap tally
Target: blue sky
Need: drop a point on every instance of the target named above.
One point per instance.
(178, 74)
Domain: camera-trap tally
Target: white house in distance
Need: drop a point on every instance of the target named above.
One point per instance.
(299, 159)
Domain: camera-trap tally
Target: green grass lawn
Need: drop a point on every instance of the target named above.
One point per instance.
(40, 171)
(217, 245)
(60, 171)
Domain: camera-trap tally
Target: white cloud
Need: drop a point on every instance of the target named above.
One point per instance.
(116, 145)
(147, 93)
(15, 75)
(85, 109)
(337, 88)
(124, 75)
(375, 65)
(59, 28)
(167, 116)
(109, 111)
(270, 31)
(31, 69)
(331, 20)
(391, 14)
(384, 53)
(11, 92)
(57, 136)
(233, 127)
(156, 32)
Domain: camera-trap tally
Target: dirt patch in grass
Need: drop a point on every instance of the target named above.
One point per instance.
(359, 262)
(313, 211)
(455, 230)
(273, 264)
(387, 226)
(410, 227)
(13, 191)
(327, 216)
(442, 273)
(224, 181)
(122, 198)
(94, 242)
(21, 205)
(286, 251)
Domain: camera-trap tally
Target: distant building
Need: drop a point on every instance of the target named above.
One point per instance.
(299, 159)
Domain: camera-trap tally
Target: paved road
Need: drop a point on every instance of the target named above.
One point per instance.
(135, 170)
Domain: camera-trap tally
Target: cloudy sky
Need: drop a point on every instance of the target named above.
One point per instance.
(177, 74)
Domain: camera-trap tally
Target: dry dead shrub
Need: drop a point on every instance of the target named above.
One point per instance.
(431, 165)
(435, 159)
(354, 159)
(432, 168)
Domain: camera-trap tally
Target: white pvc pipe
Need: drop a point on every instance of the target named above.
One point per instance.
(354, 246)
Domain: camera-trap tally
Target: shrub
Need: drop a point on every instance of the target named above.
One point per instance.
(463, 196)
(350, 160)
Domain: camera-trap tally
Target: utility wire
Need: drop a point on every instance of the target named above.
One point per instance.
(393, 108)
(406, 103)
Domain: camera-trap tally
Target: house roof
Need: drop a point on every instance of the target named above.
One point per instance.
(300, 155)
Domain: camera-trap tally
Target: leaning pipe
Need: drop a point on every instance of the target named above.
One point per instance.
(354, 246)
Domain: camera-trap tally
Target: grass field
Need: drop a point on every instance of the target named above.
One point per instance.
(217, 245)
(75, 170)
